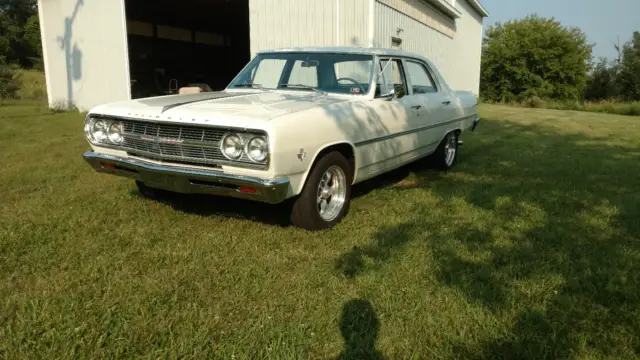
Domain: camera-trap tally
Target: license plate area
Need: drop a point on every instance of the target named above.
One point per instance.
(162, 180)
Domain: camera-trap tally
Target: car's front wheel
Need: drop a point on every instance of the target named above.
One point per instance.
(325, 198)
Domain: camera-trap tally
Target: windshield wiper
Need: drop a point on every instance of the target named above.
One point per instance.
(257, 86)
(301, 86)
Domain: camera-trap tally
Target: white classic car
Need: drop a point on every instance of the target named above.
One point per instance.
(302, 124)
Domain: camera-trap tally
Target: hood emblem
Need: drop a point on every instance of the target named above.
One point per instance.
(158, 140)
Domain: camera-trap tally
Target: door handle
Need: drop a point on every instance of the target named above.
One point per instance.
(416, 107)
(446, 102)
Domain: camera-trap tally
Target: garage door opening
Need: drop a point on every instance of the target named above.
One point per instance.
(187, 43)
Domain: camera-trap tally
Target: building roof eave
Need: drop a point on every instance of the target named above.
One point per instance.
(478, 7)
(445, 7)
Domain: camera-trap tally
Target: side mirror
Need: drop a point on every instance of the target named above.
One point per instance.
(389, 96)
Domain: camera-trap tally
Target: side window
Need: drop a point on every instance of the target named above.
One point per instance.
(268, 72)
(421, 80)
(392, 78)
(307, 76)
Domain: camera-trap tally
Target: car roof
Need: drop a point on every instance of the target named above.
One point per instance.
(347, 50)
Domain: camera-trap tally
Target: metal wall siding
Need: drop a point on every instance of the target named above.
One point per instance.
(85, 55)
(467, 49)
(427, 15)
(354, 22)
(290, 23)
(457, 58)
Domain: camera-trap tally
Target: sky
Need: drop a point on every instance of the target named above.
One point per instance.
(602, 20)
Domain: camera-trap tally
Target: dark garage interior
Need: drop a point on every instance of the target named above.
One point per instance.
(187, 43)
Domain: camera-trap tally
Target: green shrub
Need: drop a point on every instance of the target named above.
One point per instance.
(33, 86)
(9, 81)
(535, 102)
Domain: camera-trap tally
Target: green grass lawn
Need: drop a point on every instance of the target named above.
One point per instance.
(528, 249)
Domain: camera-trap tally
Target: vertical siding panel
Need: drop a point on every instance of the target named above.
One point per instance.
(457, 58)
(354, 22)
(97, 52)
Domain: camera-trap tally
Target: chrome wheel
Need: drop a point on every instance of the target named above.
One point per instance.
(450, 148)
(332, 192)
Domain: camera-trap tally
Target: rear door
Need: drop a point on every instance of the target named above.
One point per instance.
(437, 109)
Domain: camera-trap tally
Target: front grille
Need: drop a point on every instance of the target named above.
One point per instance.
(179, 143)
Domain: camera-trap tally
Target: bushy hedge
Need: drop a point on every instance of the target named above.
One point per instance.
(9, 81)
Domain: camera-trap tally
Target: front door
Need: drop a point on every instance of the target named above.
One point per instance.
(392, 120)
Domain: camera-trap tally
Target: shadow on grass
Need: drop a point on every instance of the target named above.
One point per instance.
(210, 205)
(359, 326)
(278, 214)
(554, 242)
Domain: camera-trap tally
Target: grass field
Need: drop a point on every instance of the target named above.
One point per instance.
(529, 249)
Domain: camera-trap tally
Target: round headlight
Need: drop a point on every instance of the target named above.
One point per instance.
(232, 146)
(115, 133)
(257, 149)
(88, 126)
(98, 130)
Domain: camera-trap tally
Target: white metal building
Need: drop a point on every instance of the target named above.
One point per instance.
(112, 50)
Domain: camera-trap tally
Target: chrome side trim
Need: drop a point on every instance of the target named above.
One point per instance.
(406, 132)
(185, 180)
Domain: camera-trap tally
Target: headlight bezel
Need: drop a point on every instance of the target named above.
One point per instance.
(265, 145)
(239, 148)
(245, 139)
(107, 124)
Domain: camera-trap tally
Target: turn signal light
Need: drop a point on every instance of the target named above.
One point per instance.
(247, 189)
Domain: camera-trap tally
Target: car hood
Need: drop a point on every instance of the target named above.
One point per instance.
(238, 109)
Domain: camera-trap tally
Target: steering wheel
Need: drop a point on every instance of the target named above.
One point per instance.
(354, 82)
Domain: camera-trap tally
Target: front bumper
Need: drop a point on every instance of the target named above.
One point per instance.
(190, 181)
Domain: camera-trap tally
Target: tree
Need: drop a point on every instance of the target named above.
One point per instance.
(534, 56)
(20, 32)
(602, 82)
(629, 69)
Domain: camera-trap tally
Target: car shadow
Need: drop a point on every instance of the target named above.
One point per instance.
(269, 214)
(211, 205)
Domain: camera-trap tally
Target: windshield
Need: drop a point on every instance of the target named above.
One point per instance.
(322, 72)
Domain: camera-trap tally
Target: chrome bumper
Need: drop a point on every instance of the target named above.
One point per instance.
(475, 123)
(189, 181)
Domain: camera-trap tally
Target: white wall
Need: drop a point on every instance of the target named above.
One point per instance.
(467, 48)
(85, 51)
(456, 54)
(291, 23)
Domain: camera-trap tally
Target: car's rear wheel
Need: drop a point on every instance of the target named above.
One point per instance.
(446, 154)
(325, 198)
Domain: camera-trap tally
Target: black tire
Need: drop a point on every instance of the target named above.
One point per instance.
(439, 157)
(305, 213)
(151, 193)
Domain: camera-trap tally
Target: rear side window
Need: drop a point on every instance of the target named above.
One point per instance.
(421, 80)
